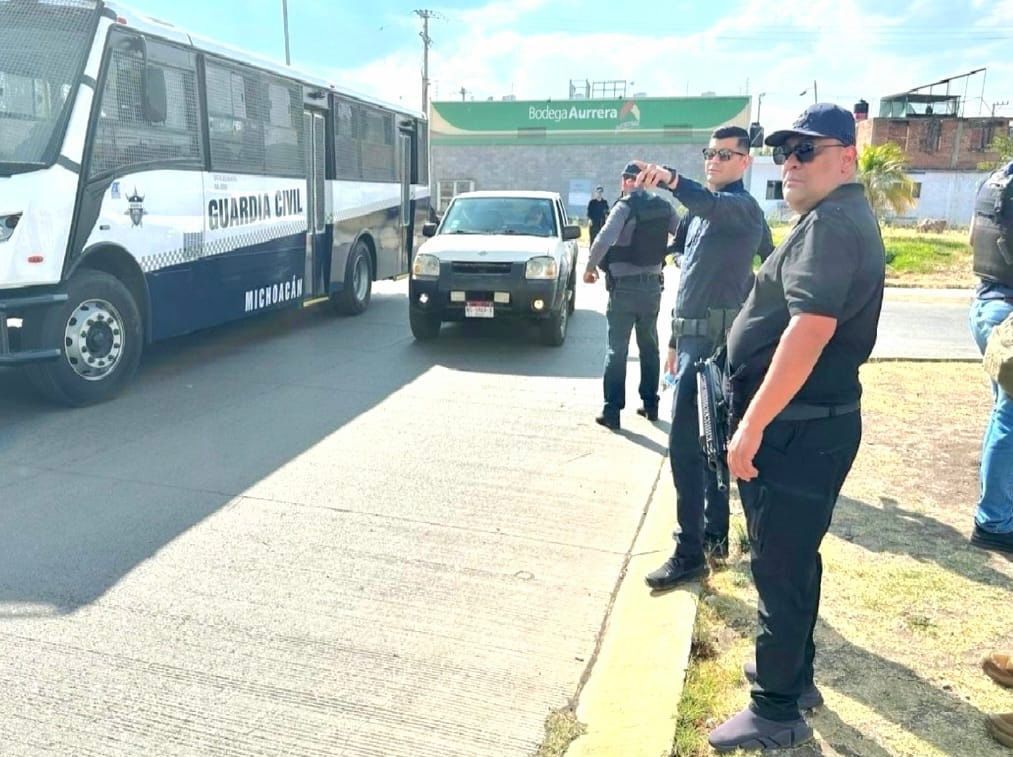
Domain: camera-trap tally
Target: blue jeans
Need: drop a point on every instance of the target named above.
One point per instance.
(995, 507)
(700, 507)
(634, 303)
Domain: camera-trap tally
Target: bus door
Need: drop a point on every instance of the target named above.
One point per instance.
(318, 244)
(407, 219)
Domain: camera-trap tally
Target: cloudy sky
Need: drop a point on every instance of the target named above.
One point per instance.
(531, 49)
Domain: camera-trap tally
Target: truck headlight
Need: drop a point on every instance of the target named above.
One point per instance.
(7, 226)
(541, 268)
(426, 266)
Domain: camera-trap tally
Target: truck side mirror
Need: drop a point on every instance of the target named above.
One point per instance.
(429, 229)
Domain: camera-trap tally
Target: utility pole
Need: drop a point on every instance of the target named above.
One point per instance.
(425, 15)
(284, 18)
(463, 93)
(999, 105)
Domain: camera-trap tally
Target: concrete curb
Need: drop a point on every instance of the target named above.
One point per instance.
(631, 699)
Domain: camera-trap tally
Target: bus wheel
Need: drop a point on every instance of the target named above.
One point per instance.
(100, 335)
(354, 297)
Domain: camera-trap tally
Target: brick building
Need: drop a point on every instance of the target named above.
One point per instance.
(569, 146)
(943, 147)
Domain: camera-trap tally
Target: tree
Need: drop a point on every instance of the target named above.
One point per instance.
(881, 171)
(1003, 145)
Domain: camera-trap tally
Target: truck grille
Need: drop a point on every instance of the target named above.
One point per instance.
(495, 269)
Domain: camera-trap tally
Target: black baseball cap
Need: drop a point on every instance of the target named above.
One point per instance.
(631, 170)
(819, 120)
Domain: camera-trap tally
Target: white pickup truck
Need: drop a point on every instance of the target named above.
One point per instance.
(496, 255)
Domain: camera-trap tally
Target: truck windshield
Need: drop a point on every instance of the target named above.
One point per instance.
(529, 216)
(43, 48)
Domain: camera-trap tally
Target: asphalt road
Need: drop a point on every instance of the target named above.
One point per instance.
(310, 535)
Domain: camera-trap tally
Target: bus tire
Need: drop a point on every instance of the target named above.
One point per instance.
(425, 326)
(353, 299)
(100, 333)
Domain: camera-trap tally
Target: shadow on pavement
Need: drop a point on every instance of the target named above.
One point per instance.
(88, 494)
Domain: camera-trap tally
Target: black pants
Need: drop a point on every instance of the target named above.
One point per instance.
(595, 228)
(802, 466)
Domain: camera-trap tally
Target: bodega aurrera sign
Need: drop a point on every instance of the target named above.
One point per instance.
(573, 113)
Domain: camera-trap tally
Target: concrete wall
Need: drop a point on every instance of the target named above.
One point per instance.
(763, 171)
(944, 194)
(552, 167)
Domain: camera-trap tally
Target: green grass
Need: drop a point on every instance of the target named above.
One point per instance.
(707, 681)
(909, 252)
(561, 728)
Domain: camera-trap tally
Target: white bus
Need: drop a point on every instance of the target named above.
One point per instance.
(153, 183)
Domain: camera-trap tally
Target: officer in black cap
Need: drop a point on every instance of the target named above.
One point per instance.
(794, 352)
(631, 249)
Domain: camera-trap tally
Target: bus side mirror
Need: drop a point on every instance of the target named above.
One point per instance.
(429, 229)
(153, 93)
(755, 134)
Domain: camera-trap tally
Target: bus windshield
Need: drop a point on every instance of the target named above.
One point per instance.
(43, 49)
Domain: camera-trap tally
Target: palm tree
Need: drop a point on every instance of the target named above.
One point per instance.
(881, 171)
(1002, 145)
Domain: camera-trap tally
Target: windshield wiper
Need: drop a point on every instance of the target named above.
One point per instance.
(9, 168)
(463, 231)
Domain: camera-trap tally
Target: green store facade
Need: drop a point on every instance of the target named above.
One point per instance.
(569, 146)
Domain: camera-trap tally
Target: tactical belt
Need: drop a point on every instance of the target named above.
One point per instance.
(801, 411)
(715, 326)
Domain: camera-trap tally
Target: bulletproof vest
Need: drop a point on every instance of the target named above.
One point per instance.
(650, 237)
(992, 235)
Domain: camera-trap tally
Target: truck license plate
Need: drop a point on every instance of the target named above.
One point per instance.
(478, 309)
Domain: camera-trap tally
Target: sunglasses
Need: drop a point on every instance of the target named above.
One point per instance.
(806, 152)
(724, 154)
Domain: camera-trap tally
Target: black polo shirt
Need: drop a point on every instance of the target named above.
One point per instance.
(832, 264)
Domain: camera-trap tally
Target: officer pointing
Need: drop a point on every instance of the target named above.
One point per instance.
(630, 249)
(722, 230)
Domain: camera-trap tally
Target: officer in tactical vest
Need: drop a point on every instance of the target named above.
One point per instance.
(716, 241)
(992, 241)
(630, 249)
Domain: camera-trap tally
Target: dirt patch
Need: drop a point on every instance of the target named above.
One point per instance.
(961, 278)
(909, 606)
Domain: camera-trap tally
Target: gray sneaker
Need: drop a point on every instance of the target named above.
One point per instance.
(809, 699)
(747, 730)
